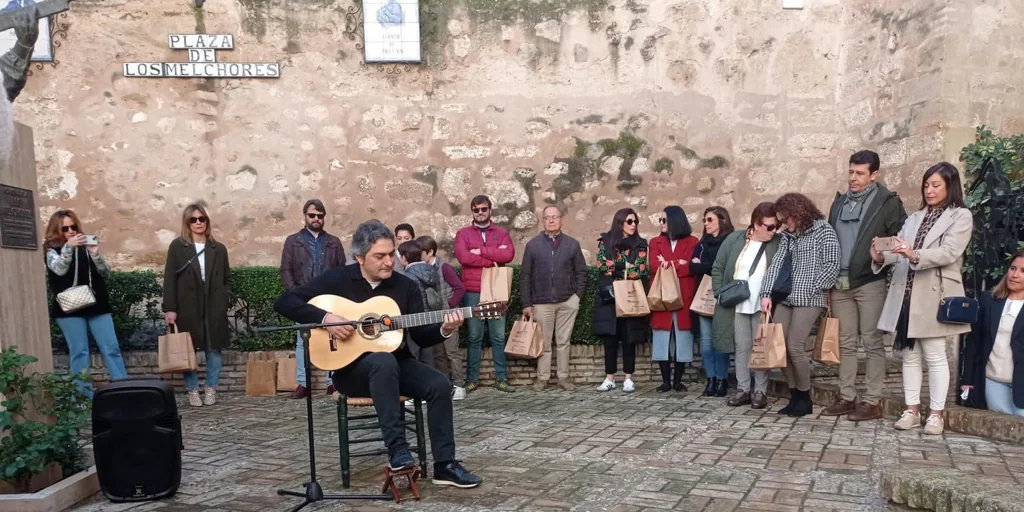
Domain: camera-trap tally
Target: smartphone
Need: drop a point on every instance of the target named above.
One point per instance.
(887, 244)
(92, 240)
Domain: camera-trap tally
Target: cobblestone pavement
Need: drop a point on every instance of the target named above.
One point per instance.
(581, 451)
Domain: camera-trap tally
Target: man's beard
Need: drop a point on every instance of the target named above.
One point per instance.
(316, 228)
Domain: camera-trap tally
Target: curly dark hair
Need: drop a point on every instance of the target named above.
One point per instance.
(798, 207)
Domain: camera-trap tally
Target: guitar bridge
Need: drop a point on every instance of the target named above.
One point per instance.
(333, 342)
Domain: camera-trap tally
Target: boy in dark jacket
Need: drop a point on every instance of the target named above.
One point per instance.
(427, 279)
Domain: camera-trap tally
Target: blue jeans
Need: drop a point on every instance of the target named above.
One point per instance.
(214, 360)
(76, 331)
(1000, 398)
(496, 331)
(683, 341)
(716, 364)
(300, 361)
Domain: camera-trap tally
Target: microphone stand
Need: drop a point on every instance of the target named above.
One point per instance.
(313, 492)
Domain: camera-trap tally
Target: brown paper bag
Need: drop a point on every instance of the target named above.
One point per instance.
(769, 346)
(630, 299)
(496, 284)
(526, 340)
(286, 380)
(704, 302)
(826, 347)
(175, 352)
(261, 374)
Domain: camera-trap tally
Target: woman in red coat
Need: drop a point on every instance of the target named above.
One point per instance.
(672, 252)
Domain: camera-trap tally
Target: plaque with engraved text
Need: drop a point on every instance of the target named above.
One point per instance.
(17, 218)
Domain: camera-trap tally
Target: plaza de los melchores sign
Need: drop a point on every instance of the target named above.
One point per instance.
(202, 61)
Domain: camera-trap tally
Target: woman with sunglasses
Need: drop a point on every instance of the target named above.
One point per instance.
(196, 291)
(715, 333)
(672, 251)
(621, 254)
(70, 262)
(745, 256)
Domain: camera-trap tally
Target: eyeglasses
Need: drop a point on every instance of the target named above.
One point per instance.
(631, 221)
(65, 229)
(482, 209)
(199, 220)
(770, 227)
(552, 217)
(709, 219)
(663, 220)
(316, 215)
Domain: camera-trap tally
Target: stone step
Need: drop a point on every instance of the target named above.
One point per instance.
(949, 490)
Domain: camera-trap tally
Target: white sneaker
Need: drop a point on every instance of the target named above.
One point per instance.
(607, 385)
(211, 397)
(933, 426)
(459, 393)
(627, 386)
(194, 399)
(908, 420)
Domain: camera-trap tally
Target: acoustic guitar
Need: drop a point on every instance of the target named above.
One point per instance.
(380, 328)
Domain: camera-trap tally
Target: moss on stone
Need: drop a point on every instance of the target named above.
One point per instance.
(533, 11)
(200, 17)
(455, 208)
(428, 175)
(715, 162)
(687, 153)
(663, 164)
(254, 17)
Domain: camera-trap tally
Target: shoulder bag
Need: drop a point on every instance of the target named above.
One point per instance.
(77, 297)
(738, 291)
(956, 310)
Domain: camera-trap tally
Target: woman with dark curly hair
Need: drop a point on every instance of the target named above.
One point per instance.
(808, 261)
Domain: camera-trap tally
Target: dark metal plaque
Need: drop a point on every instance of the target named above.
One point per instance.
(17, 218)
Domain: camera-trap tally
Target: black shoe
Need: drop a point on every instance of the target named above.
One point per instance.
(709, 389)
(677, 379)
(452, 473)
(791, 404)
(401, 460)
(665, 386)
(666, 370)
(804, 405)
(722, 388)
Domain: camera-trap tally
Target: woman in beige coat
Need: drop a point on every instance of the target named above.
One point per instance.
(927, 257)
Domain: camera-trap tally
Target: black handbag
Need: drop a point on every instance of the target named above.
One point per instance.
(784, 282)
(956, 310)
(738, 291)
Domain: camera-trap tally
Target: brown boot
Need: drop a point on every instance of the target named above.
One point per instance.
(840, 407)
(566, 385)
(758, 401)
(865, 412)
(300, 392)
(540, 385)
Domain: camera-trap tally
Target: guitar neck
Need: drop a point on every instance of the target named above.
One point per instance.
(427, 318)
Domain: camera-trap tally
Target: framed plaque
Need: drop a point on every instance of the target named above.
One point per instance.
(391, 31)
(17, 218)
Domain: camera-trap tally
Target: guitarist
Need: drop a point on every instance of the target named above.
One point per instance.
(385, 376)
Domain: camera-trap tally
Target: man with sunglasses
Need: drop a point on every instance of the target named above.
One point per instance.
(477, 246)
(307, 254)
(866, 211)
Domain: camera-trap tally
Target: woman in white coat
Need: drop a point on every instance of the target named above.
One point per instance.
(927, 258)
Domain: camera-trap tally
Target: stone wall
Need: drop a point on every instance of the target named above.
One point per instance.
(591, 104)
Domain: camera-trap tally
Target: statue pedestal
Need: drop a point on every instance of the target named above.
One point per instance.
(24, 311)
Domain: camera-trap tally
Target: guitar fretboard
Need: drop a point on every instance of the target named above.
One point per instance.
(430, 317)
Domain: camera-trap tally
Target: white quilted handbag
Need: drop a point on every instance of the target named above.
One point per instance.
(77, 297)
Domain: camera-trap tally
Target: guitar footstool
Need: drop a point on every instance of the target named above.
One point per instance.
(389, 482)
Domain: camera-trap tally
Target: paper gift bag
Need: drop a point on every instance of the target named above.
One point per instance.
(175, 352)
(261, 374)
(630, 299)
(769, 346)
(704, 302)
(526, 340)
(286, 380)
(826, 346)
(496, 284)
(665, 294)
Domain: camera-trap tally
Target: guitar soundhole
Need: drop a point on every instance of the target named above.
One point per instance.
(369, 328)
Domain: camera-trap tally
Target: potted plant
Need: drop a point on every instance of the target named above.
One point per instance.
(40, 421)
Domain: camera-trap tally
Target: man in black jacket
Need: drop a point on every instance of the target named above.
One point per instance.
(385, 376)
(551, 281)
(866, 211)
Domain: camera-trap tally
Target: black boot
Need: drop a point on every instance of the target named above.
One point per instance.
(677, 379)
(709, 389)
(804, 405)
(665, 367)
(792, 402)
(722, 389)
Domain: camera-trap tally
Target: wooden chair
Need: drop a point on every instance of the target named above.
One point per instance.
(368, 421)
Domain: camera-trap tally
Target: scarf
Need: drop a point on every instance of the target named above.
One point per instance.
(853, 208)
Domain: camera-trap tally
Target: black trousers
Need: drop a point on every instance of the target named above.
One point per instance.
(611, 355)
(383, 377)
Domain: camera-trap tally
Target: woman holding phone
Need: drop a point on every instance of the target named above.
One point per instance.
(74, 259)
(196, 291)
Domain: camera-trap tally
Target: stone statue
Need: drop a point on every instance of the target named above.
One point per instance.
(14, 64)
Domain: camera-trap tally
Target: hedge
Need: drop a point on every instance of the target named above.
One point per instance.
(136, 296)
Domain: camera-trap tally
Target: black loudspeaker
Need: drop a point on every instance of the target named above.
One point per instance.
(136, 433)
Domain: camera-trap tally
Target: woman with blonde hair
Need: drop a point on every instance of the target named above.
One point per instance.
(72, 261)
(196, 291)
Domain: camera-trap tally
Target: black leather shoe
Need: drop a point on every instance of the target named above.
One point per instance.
(792, 402)
(401, 460)
(722, 388)
(452, 473)
(709, 389)
(665, 386)
(804, 405)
